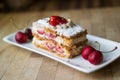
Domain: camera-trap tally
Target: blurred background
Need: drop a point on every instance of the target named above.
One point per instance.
(43, 5)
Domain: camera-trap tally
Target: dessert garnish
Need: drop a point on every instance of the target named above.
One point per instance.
(56, 20)
(86, 51)
(94, 56)
(29, 33)
(69, 23)
(22, 37)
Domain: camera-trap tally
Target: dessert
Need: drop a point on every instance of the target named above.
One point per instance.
(59, 36)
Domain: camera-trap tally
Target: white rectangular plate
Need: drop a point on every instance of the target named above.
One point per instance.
(78, 62)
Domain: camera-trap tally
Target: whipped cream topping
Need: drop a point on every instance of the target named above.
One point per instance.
(61, 29)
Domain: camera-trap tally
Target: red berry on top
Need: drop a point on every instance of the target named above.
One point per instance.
(56, 20)
(87, 51)
(21, 37)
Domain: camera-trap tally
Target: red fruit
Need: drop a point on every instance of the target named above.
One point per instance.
(51, 36)
(40, 32)
(95, 57)
(21, 37)
(29, 33)
(59, 49)
(56, 20)
(50, 45)
(87, 51)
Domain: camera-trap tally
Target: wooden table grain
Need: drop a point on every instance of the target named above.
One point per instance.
(20, 64)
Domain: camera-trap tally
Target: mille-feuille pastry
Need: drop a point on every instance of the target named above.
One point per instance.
(59, 36)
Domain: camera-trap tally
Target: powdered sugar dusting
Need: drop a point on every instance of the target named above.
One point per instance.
(71, 31)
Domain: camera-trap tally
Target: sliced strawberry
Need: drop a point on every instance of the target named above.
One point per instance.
(51, 36)
(40, 32)
(59, 49)
(56, 20)
(50, 45)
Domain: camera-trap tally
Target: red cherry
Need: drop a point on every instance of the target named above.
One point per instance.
(21, 37)
(95, 57)
(86, 51)
(56, 20)
(29, 33)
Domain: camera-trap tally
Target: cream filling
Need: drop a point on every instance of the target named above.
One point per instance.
(66, 52)
(43, 43)
(61, 40)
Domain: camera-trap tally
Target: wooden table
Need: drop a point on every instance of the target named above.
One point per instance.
(20, 64)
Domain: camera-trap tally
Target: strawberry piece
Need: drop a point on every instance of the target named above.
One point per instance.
(56, 20)
(51, 36)
(50, 45)
(59, 49)
(40, 32)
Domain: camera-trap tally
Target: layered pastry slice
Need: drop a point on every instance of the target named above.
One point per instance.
(59, 36)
